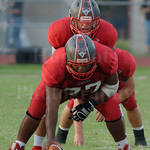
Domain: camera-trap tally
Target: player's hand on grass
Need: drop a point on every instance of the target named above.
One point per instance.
(78, 140)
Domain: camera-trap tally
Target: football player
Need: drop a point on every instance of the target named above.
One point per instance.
(85, 70)
(126, 69)
(84, 18)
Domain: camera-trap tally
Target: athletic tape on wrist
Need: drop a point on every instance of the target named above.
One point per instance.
(110, 90)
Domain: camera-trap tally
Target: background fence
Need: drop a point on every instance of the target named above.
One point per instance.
(39, 14)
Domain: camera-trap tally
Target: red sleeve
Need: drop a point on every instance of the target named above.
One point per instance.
(54, 69)
(59, 32)
(106, 59)
(112, 35)
(126, 64)
(108, 33)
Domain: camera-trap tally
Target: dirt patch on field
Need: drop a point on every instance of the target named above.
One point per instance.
(143, 61)
(6, 59)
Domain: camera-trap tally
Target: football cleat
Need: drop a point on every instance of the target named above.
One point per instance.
(16, 146)
(37, 148)
(139, 138)
(140, 142)
(126, 147)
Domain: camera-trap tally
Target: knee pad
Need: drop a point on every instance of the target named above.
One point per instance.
(111, 109)
(130, 103)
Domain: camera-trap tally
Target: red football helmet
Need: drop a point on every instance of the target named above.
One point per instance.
(85, 16)
(81, 56)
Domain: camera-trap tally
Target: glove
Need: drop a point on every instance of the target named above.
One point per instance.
(81, 111)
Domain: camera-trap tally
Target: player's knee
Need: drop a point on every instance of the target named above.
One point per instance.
(34, 116)
(113, 119)
(111, 110)
(129, 105)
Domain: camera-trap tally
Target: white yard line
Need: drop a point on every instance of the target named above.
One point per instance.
(144, 77)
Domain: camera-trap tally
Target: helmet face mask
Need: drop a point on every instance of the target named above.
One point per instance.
(87, 27)
(81, 56)
(84, 17)
(82, 75)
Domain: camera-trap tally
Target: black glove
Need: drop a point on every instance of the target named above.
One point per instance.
(81, 111)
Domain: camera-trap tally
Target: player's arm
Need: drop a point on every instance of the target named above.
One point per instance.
(127, 90)
(53, 99)
(78, 138)
(108, 89)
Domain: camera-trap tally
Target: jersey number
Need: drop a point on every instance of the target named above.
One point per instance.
(95, 86)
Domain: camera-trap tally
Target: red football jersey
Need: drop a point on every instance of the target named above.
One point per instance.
(126, 66)
(59, 33)
(55, 73)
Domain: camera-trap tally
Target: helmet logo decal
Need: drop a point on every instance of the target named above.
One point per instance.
(86, 10)
(82, 53)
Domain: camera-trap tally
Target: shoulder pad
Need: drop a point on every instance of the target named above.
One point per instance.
(59, 32)
(106, 59)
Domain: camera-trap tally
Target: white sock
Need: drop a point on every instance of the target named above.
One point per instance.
(38, 140)
(20, 143)
(139, 128)
(64, 129)
(121, 144)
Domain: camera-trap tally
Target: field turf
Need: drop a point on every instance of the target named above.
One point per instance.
(17, 83)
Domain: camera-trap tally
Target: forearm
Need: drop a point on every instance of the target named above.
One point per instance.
(106, 92)
(100, 97)
(51, 121)
(109, 88)
(78, 137)
(78, 127)
(53, 98)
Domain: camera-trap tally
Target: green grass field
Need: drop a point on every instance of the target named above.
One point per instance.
(17, 83)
